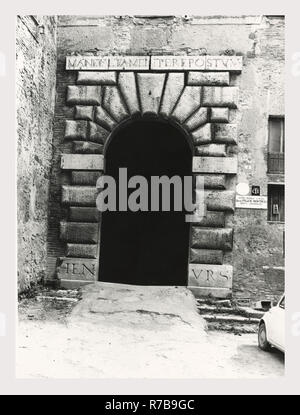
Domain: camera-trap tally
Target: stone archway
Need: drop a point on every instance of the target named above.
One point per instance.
(198, 101)
(146, 247)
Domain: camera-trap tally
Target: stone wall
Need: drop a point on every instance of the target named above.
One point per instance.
(257, 244)
(35, 93)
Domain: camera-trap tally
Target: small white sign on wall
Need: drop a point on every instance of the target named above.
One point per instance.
(251, 202)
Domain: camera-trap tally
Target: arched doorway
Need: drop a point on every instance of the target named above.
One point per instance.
(146, 248)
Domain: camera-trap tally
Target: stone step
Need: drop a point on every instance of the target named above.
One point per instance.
(232, 328)
(230, 318)
(225, 316)
(239, 311)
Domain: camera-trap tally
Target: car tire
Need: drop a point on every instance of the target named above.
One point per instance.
(262, 338)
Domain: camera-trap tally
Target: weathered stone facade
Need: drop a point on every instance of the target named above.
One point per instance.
(186, 99)
(224, 111)
(35, 89)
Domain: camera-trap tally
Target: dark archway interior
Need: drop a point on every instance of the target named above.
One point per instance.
(146, 248)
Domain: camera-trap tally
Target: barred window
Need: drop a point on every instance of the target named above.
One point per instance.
(276, 145)
(276, 202)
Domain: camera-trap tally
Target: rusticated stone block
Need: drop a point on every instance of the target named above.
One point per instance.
(97, 78)
(212, 220)
(79, 195)
(150, 89)
(76, 269)
(200, 292)
(84, 112)
(197, 119)
(83, 95)
(217, 276)
(85, 178)
(84, 214)
(127, 85)
(113, 103)
(75, 130)
(220, 96)
(208, 78)
(104, 119)
(79, 232)
(214, 181)
(225, 165)
(225, 133)
(82, 162)
(96, 133)
(173, 89)
(213, 150)
(86, 147)
(189, 101)
(82, 250)
(212, 238)
(219, 114)
(220, 200)
(203, 134)
(206, 256)
(73, 284)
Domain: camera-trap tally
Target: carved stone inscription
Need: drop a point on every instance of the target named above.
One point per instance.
(156, 63)
(202, 275)
(77, 269)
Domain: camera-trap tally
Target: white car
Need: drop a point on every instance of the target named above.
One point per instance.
(271, 331)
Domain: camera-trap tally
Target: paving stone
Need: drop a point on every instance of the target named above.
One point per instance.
(83, 95)
(208, 78)
(220, 96)
(150, 89)
(173, 89)
(97, 78)
(127, 85)
(189, 101)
